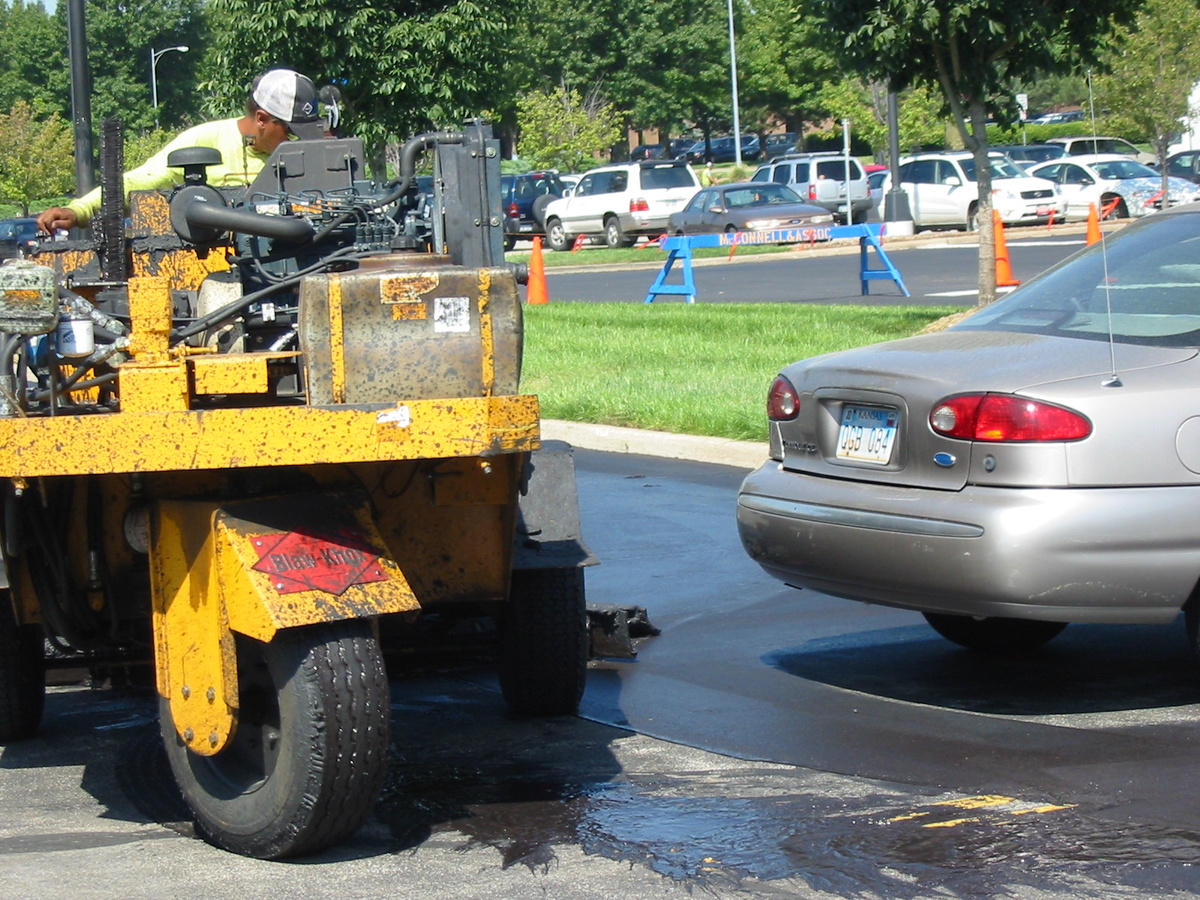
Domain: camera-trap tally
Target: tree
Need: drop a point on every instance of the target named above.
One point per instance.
(972, 50)
(36, 157)
(402, 68)
(561, 128)
(1153, 71)
(29, 36)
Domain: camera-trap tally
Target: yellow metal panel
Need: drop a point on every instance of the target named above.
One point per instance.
(250, 558)
(485, 331)
(154, 387)
(276, 436)
(150, 316)
(231, 373)
(195, 661)
(337, 338)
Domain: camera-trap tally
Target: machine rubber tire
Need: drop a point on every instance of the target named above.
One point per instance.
(994, 634)
(22, 675)
(309, 753)
(614, 237)
(544, 642)
(556, 237)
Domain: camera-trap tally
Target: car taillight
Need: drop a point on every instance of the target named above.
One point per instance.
(514, 211)
(1005, 417)
(812, 191)
(639, 205)
(783, 403)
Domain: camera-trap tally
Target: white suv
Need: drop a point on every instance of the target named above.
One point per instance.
(621, 202)
(820, 178)
(942, 191)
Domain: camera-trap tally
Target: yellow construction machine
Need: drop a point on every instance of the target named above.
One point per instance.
(248, 436)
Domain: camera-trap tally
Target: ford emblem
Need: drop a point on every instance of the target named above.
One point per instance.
(945, 460)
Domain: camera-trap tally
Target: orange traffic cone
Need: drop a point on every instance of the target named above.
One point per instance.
(1004, 275)
(535, 291)
(1093, 226)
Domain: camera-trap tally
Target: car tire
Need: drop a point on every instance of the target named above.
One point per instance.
(1120, 211)
(556, 237)
(509, 242)
(973, 218)
(539, 209)
(614, 236)
(994, 634)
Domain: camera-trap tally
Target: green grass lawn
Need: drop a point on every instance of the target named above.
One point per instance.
(688, 368)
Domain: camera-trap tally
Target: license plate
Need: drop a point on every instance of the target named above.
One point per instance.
(867, 434)
(1044, 210)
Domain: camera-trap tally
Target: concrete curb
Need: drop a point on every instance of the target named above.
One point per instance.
(616, 439)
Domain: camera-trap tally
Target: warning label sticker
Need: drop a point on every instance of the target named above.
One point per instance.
(452, 314)
(307, 562)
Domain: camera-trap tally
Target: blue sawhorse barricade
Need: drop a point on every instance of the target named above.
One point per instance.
(680, 249)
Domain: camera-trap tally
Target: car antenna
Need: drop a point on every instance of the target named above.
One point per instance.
(1114, 379)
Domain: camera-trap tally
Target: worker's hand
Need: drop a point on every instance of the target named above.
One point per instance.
(57, 217)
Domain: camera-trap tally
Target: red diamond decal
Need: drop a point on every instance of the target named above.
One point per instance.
(307, 562)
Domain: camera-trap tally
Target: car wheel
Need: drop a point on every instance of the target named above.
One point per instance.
(539, 209)
(993, 634)
(973, 218)
(509, 242)
(731, 229)
(614, 236)
(1120, 211)
(860, 217)
(556, 237)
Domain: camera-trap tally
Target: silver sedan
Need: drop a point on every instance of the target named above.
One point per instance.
(746, 206)
(1035, 465)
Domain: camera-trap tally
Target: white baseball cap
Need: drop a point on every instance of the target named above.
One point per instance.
(288, 96)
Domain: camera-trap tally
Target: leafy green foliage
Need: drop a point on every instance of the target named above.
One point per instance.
(402, 68)
(1152, 74)
(36, 156)
(561, 130)
(29, 38)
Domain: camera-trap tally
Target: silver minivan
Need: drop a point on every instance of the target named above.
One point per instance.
(820, 178)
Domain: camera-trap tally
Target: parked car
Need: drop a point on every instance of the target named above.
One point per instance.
(723, 150)
(680, 146)
(779, 144)
(746, 206)
(875, 182)
(524, 199)
(1116, 185)
(1034, 465)
(1055, 118)
(621, 202)
(649, 151)
(1081, 146)
(16, 236)
(942, 191)
(821, 179)
(1027, 155)
(1185, 165)
(569, 181)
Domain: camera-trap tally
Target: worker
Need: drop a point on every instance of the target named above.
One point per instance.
(281, 104)
(708, 177)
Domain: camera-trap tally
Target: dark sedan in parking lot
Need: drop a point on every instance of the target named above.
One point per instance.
(1034, 465)
(17, 235)
(746, 206)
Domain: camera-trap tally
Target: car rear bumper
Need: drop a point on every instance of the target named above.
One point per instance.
(1127, 555)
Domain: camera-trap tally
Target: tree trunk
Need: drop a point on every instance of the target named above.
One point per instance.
(987, 233)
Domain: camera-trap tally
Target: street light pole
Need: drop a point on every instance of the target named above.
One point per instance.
(737, 127)
(154, 57)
